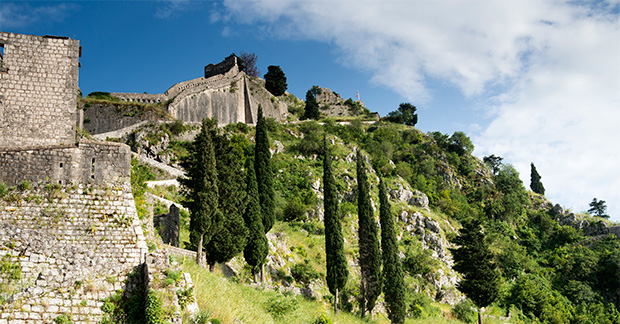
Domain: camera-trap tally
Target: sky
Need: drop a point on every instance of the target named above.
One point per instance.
(530, 81)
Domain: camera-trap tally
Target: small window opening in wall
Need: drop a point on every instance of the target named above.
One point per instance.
(1, 54)
(61, 165)
(59, 182)
(92, 169)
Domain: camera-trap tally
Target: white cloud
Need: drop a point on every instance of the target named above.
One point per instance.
(171, 8)
(14, 15)
(556, 65)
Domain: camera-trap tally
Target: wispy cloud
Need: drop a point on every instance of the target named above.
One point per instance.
(554, 63)
(172, 8)
(16, 15)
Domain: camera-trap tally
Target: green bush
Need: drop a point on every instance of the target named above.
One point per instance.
(202, 317)
(3, 189)
(304, 273)
(63, 319)
(322, 319)
(464, 311)
(280, 306)
(294, 211)
(24, 185)
(420, 306)
(154, 309)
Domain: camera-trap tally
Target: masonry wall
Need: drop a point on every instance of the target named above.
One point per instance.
(88, 162)
(74, 246)
(38, 90)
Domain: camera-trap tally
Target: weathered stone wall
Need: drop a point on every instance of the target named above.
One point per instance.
(88, 162)
(74, 245)
(140, 97)
(100, 119)
(168, 225)
(38, 90)
(222, 67)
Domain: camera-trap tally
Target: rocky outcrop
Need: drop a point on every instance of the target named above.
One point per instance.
(412, 197)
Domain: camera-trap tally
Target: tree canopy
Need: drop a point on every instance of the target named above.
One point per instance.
(598, 208)
(249, 64)
(405, 114)
(275, 80)
(311, 111)
(535, 183)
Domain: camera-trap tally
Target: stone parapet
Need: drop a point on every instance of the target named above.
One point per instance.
(88, 162)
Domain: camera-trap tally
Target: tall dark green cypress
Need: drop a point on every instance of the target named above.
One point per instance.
(230, 239)
(474, 260)
(312, 107)
(201, 189)
(257, 247)
(393, 277)
(337, 272)
(370, 255)
(535, 183)
(264, 172)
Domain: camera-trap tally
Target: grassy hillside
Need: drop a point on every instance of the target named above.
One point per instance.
(549, 272)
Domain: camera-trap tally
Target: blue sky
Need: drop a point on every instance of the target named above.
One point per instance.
(531, 81)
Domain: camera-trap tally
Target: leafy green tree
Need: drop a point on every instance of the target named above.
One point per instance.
(230, 239)
(406, 114)
(475, 261)
(257, 248)
(598, 208)
(460, 143)
(312, 107)
(275, 80)
(493, 162)
(337, 272)
(393, 277)
(264, 172)
(201, 189)
(535, 183)
(370, 255)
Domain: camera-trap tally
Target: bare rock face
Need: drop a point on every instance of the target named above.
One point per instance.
(412, 197)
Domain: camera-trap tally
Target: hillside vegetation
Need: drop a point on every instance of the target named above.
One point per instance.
(554, 266)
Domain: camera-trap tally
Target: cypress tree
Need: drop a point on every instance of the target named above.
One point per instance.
(393, 277)
(264, 172)
(256, 249)
(230, 239)
(337, 272)
(312, 107)
(535, 183)
(370, 256)
(200, 187)
(474, 260)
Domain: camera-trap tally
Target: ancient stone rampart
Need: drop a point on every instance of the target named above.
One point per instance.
(88, 162)
(223, 67)
(74, 246)
(140, 97)
(38, 90)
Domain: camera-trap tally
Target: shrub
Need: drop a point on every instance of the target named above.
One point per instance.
(3, 189)
(63, 319)
(202, 317)
(464, 311)
(322, 319)
(154, 309)
(304, 273)
(294, 210)
(24, 185)
(280, 306)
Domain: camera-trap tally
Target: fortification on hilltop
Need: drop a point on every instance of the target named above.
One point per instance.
(225, 92)
(68, 221)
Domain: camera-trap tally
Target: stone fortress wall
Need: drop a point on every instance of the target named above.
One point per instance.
(71, 231)
(140, 97)
(224, 93)
(38, 90)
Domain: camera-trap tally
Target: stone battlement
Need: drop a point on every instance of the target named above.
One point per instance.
(140, 97)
